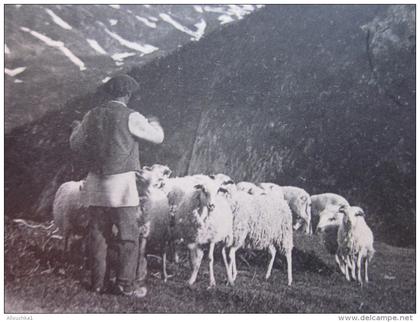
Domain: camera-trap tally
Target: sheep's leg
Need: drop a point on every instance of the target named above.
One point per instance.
(234, 267)
(340, 263)
(347, 266)
(311, 230)
(289, 266)
(366, 270)
(231, 268)
(196, 254)
(228, 271)
(353, 267)
(211, 262)
(174, 253)
(164, 272)
(272, 251)
(359, 268)
(308, 229)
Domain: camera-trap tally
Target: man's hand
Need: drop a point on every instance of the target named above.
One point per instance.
(153, 119)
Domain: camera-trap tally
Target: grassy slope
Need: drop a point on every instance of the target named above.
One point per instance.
(317, 287)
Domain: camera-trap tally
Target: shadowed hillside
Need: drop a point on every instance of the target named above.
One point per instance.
(321, 97)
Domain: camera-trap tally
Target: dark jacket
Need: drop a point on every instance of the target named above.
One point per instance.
(111, 148)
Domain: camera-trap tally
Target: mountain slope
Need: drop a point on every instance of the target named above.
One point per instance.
(297, 95)
(54, 53)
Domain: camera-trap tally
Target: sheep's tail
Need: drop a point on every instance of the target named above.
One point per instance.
(26, 224)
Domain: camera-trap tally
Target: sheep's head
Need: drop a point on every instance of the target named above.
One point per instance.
(157, 174)
(205, 195)
(143, 182)
(329, 217)
(301, 205)
(351, 214)
(226, 184)
(268, 186)
(250, 188)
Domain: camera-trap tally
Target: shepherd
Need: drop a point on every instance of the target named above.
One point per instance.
(106, 139)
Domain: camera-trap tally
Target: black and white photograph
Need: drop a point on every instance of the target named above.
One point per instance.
(209, 158)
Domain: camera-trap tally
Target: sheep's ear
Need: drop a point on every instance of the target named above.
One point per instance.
(360, 213)
(212, 176)
(223, 190)
(167, 172)
(341, 209)
(229, 182)
(147, 168)
(250, 191)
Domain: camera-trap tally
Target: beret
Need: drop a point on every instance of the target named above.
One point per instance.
(121, 85)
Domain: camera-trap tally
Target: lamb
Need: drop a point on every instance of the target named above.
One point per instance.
(261, 221)
(204, 217)
(355, 242)
(321, 201)
(69, 214)
(299, 202)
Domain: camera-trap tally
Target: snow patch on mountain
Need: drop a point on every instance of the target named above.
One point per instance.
(56, 44)
(58, 20)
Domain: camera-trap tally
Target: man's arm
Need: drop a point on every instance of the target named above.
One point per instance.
(144, 129)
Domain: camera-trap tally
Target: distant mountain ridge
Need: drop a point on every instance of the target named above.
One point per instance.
(54, 53)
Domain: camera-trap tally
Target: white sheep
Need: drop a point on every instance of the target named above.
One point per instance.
(69, 214)
(321, 201)
(204, 217)
(261, 221)
(299, 202)
(156, 216)
(355, 242)
(162, 203)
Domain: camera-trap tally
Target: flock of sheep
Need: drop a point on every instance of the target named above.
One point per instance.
(201, 210)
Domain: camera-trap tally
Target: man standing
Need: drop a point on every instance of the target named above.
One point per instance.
(106, 138)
